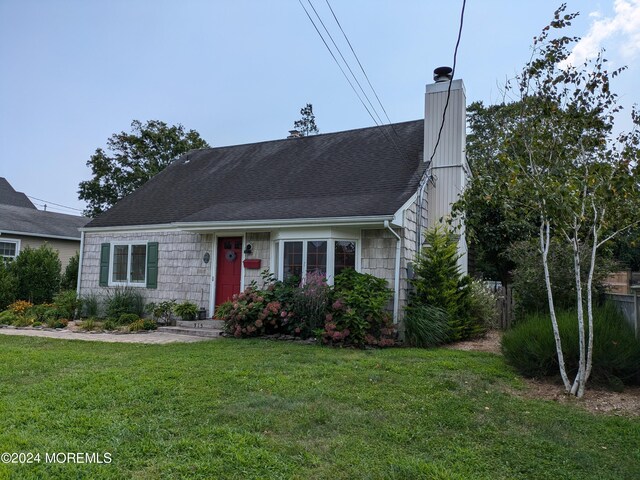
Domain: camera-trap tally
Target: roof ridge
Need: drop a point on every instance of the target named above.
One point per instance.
(198, 150)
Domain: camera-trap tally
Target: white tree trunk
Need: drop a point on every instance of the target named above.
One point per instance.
(579, 381)
(545, 228)
(594, 249)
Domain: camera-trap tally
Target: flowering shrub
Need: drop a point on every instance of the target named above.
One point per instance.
(358, 314)
(354, 313)
(20, 307)
(255, 312)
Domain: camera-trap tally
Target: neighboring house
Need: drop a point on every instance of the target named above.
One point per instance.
(23, 225)
(206, 226)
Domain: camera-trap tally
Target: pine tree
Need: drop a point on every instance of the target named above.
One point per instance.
(307, 124)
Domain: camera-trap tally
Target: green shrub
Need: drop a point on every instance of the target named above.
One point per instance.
(358, 314)
(142, 324)
(223, 310)
(90, 306)
(124, 300)
(8, 317)
(57, 322)
(69, 279)
(89, 324)
(162, 312)
(22, 321)
(67, 303)
(51, 314)
(426, 326)
(186, 310)
(438, 282)
(149, 324)
(8, 284)
(38, 274)
(127, 318)
(110, 324)
(530, 346)
(136, 326)
(39, 312)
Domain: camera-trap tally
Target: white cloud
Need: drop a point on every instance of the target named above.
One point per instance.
(622, 32)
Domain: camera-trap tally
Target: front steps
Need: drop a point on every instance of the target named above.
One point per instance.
(200, 328)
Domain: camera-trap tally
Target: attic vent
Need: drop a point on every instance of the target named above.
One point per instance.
(442, 74)
(294, 134)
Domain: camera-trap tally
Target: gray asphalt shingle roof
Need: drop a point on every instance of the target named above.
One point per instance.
(39, 223)
(8, 196)
(353, 173)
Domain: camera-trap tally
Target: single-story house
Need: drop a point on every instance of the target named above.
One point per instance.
(23, 225)
(205, 227)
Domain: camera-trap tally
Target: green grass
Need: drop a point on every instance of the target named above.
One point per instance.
(257, 409)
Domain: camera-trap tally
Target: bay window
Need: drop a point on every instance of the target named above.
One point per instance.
(327, 257)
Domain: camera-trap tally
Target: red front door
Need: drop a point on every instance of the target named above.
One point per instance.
(228, 269)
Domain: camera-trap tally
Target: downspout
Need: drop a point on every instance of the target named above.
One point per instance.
(396, 280)
(80, 263)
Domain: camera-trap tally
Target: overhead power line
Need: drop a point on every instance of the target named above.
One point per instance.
(453, 72)
(379, 122)
(47, 202)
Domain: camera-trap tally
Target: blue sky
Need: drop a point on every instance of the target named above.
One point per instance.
(76, 71)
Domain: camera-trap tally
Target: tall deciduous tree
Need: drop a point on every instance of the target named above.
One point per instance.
(307, 124)
(493, 219)
(581, 181)
(133, 158)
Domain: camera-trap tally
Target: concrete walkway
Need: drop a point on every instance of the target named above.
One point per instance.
(157, 338)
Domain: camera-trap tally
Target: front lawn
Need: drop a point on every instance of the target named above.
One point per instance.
(260, 409)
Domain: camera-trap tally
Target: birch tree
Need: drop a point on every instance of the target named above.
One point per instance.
(577, 176)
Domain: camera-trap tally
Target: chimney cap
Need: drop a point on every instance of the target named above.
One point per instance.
(294, 134)
(442, 74)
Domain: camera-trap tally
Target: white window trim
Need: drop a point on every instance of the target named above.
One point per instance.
(11, 240)
(331, 252)
(127, 283)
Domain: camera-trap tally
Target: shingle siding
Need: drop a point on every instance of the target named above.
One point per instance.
(182, 273)
(261, 244)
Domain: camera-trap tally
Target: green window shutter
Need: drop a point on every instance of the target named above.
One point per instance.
(104, 264)
(152, 265)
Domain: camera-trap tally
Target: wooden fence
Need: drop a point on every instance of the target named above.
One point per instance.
(629, 305)
(504, 303)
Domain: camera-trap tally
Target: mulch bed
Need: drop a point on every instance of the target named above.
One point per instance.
(596, 399)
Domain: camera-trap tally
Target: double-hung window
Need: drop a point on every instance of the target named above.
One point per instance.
(129, 264)
(9, 249)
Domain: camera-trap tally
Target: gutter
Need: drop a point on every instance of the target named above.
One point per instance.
(247, 224)
(39, 235)
(396, 275)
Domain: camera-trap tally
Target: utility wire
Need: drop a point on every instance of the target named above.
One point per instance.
(358, 60)
(337, 62)
(346, 63)
(453, 71)
(335, 17)
(378, 124)
(52, 203)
